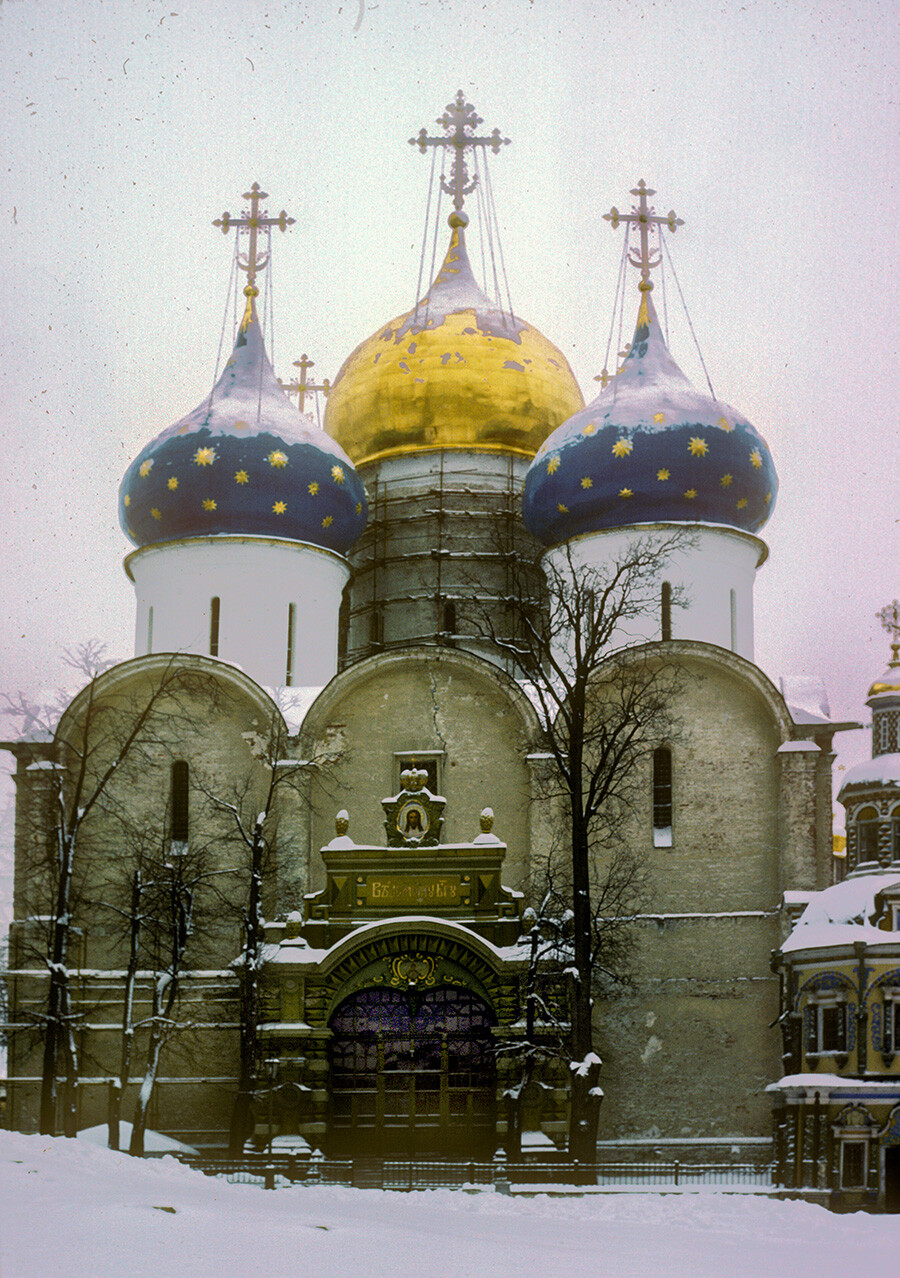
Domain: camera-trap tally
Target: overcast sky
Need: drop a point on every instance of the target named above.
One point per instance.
(770, 128)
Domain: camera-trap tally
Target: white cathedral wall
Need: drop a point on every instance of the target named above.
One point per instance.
(715, 573)
(266, 589)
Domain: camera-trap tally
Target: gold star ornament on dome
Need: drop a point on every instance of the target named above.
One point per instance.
(204, 456)
(622, 447)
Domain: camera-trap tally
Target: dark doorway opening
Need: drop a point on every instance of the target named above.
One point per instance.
(412, 1073)
(892, 1178)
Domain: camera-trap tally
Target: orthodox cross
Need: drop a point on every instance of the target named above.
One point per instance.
(890, 620)
(643, 216)
(300, 386)
(253, 221)
(460, 122)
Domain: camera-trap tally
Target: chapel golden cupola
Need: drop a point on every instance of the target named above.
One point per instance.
(458, 371)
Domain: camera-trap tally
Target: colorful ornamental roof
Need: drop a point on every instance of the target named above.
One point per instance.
(649, 449)
(245, 462)
(454, 372)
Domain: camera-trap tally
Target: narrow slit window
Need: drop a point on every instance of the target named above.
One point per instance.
(734, 621)
(666, 610)
(449, 618)
(662, 797)
(180, 802)
(150, 628)
(376, 626)
(291, 625)
(214, 627)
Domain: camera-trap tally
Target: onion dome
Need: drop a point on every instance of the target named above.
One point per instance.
(245, 462)
(649, 449)
(887, 685)
(455, 372)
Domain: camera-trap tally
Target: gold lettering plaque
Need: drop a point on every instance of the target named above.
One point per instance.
(408, 889)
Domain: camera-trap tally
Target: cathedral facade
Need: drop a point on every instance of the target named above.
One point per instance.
(322, 743)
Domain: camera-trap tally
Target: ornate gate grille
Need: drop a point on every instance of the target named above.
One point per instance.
(413, 1071)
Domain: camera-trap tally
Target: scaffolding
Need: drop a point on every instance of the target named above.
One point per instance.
(444, 553)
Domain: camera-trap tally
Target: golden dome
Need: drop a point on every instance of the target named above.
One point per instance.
(890, 681)
(455, 372)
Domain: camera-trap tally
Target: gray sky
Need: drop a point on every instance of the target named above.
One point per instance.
(771, 129)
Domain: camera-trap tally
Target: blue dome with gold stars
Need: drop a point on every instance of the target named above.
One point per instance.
(245, 462)
(649, 449)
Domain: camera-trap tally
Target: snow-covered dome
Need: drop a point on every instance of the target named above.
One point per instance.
(454, 372)
(649, 449)
(244, 462)
(886, 687)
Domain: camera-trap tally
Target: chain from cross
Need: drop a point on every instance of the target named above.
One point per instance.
(254, 220)
(889, 616)
(643, 216)
(301, 387)
(460, 121)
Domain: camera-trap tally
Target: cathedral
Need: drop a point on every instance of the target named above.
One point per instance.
(323, 763)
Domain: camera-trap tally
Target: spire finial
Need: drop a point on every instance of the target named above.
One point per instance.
(643, 215)
(300, 387)
(460, 122)
(889, 616)
(253, 220)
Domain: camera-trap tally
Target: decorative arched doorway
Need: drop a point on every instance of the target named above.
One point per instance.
(413, 1072)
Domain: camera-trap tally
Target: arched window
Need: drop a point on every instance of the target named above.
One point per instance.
(666, 610)
(376, 626)
(734, 621)
(289, 664)
(662, 797)
(214, 627)
(180, 826)
(866, 834)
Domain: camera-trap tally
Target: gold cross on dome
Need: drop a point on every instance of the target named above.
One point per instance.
(460, 122)
(253, 221)
(644, 216)
(300, 386)
(889, 616)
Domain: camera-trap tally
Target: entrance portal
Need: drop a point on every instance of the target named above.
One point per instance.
(412, 1072)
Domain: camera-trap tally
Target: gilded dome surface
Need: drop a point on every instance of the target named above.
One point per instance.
(649, 449)
(455, 372)
(244, 462)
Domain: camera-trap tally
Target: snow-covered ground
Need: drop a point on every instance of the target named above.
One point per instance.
(71, 1209)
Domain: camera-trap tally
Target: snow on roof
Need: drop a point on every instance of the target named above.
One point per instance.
(294, 704)
(883, 770)
(797, 747)
(806, 698)
(821, 1082)
(842, 914)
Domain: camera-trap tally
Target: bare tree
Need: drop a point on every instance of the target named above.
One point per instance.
(604, 707)
(168, 911)
(253, 813)
(109, 725)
